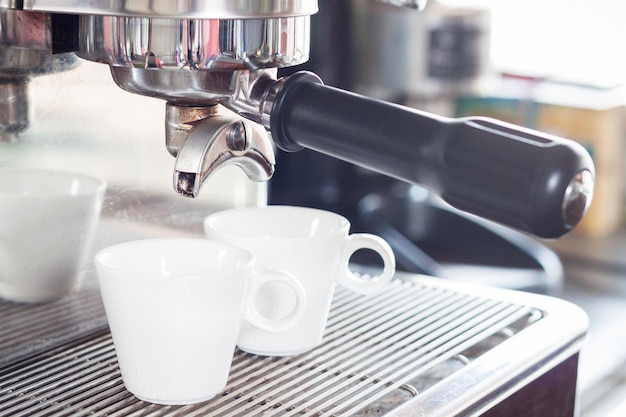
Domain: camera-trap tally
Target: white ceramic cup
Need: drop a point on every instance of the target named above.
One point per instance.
(175, 308)
(48, 223)
(312, 245)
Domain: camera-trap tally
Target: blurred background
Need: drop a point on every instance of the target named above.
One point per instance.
(553, 65)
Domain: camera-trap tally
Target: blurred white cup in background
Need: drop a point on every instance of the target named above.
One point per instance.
(47, 226)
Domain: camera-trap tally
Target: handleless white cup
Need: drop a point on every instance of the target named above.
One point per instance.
(315, 247)
(48, 223)
(175, 307)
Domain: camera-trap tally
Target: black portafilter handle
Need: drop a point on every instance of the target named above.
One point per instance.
(525, 179)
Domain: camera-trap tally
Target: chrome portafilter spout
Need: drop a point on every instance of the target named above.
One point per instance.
(204, 139)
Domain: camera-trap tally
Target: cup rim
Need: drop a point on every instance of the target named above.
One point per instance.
(248, 257)
(91, 184)
(343, 224)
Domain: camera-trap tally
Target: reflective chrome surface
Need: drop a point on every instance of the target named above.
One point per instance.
(23, 29)
(17, 67)
(578, 197)
(196, 9)
(199, 88)
(189, 53)
(196, 64)
(25, 51)
(194, 44)
(26, 45)
(14, 109)
(206, 140)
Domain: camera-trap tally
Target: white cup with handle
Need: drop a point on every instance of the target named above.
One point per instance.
(175, 307)
(312, 245)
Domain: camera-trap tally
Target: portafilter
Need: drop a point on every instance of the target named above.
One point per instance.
(215, 64)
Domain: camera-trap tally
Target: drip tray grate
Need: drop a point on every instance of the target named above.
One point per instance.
(27, 329)
(379, 352)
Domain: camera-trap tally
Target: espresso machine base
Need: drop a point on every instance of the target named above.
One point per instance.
(422, 347)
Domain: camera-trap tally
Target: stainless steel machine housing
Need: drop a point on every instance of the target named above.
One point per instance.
(422, 347)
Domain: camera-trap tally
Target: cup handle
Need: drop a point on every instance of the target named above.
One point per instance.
(283, 324)
(357, 283)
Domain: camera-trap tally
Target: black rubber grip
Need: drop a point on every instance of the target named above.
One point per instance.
(502, 172)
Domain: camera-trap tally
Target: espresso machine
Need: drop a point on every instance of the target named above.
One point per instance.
(215, 65)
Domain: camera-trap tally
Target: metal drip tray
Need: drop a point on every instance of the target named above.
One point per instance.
(422, 347)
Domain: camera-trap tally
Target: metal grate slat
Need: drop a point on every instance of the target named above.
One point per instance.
(395, 373)
(49, 324)
(336, 350)
(374, 346)
(376, 362)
